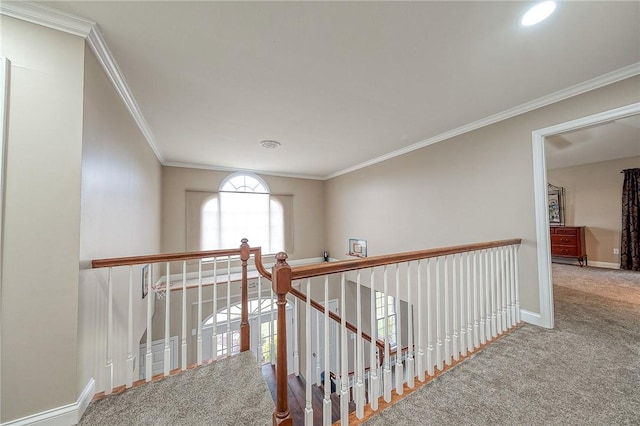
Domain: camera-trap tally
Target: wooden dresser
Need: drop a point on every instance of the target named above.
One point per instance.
(568, 242)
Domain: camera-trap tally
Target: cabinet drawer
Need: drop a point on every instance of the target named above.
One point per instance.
(564, 240)
(564, 251)
(566, 231)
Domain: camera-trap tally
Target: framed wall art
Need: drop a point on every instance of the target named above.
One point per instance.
(357, 248)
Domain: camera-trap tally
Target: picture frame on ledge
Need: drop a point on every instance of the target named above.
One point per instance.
(357, 248)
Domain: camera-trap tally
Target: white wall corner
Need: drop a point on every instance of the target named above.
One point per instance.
(531, 317)
(66, 415)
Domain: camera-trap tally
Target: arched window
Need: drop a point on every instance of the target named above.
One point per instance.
(243, 208)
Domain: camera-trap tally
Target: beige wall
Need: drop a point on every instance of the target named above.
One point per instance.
(42, 219)
(308, 207)
(474, 187)
(120, 217)
(594, 199)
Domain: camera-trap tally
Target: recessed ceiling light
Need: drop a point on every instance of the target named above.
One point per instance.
(269, 144)
(538, 13)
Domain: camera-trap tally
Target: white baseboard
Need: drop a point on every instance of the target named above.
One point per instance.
(531, 317)
(607, 265)
(66, 415)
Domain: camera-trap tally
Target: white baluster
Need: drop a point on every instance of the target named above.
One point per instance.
(344, 363)
(469, 306)
(504, 290)
(148, 361)
(517, 283)
(373, 362)
(476, 323)
(214, 329)
(229, 332)
(481, 291)
(494, 295)
(439, 348)
(272, 343)
(259, 334)
(359, 365)
(167, 322)
(454, 308)
(507, 266)
(420, 358)
(308, 409)
(326, 402)
(184, 315)
(387, 365)
(410, 361)
(463, 308)
(108, 371)
(487, 293)
(199, 332)
(399, 364)
(447, 320)
(430, 362)
(130, 358)
(512, 268)
(296, 349)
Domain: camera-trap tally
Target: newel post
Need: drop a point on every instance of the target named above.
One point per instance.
(244, 320)
(281, 281)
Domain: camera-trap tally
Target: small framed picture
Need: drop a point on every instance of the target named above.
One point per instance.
(146, 280)
(357, 248)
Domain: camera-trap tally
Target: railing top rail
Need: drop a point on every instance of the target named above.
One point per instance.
(172, 257)
(309, 271)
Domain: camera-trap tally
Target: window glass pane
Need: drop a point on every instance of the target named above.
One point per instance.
(209, 235)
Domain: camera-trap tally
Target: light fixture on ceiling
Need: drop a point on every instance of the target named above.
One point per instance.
(538, 13)
(270, 144)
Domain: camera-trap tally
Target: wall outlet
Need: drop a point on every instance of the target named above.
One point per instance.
(616, 251)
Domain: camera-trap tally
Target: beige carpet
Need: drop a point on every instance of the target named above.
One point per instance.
(586, 371)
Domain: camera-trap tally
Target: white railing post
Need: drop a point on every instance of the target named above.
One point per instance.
(167, 321)
(463, 305)
(272, 348)
(517, 285)
(130, 358)
(487, 293)
(259, 334)
(199, 333)
(469, 306)
(504, 290)
(481, 256)
(512, 251)
(454, 307)
(410, 361)
(308, 409)
(359, 367)
(476, 324)
(399, 364)
(387, 364)
(229, 332)
(148, 361)
(374, 380)
(494, 295)
(430, 361)
(447, 320)
(108, 371)
(296, 343)
(184, 315)
(326, 402)
(318, 348)
(439, 351)
(214, 329)
(344, 363)
(420, 359)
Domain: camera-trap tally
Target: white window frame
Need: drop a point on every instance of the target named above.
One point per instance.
(391, 313)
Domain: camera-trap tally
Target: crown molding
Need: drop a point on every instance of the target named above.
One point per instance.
(61, 21)
(233, 169)
(578, 89)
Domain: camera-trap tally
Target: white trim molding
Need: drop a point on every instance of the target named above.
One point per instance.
(531, 317)
(57, 20)
(5, 73)
(607, 265)
(540, 192)
(66, 415)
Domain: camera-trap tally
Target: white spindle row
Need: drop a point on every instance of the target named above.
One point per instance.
(454, 305)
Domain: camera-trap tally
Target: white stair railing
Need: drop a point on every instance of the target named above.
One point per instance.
(197, 271)
(447, 303)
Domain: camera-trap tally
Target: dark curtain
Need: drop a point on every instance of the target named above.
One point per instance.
(630, 247)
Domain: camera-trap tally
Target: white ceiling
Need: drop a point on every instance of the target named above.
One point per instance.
(340, 84)
(610, 141)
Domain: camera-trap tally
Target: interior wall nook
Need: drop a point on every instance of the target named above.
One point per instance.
(541, 204)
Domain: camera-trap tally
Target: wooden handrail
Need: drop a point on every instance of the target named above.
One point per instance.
(300, 295)
(320, 269)
(189, 255)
